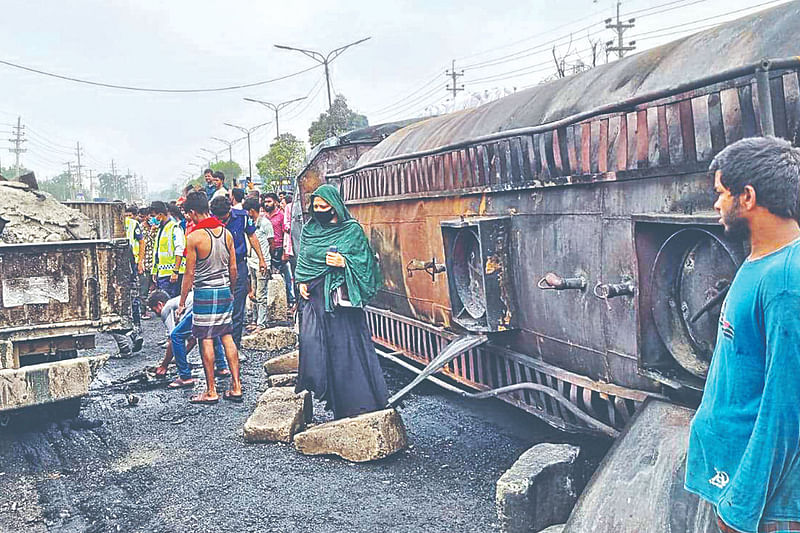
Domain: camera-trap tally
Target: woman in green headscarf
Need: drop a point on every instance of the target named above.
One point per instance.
(337, 275)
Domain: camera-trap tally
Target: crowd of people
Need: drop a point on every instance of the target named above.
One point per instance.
(196, 262)
(159, 237)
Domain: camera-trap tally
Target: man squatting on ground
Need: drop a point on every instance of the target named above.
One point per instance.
(181, 340)
(242, 230)
(168, 250)
(744, 444)
(210, 272)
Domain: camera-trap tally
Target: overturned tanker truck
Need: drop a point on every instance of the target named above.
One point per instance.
(62, 280)
(565, 234)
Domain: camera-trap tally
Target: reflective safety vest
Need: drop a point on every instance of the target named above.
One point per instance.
(130, 234)
(169, 238)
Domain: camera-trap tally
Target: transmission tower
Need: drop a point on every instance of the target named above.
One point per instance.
(620, 28)
(19, 138)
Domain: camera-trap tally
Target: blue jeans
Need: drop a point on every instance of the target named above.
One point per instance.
(178, 337)
(240, 292)
(172, 289)
(286, 272)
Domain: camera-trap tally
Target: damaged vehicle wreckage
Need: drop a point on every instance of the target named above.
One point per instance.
(558, 248)
(556, 260)
(60, 284)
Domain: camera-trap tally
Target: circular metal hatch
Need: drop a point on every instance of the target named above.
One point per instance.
(690, 276)
(468, 273)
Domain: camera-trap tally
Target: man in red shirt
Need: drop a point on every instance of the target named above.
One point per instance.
(275, 215)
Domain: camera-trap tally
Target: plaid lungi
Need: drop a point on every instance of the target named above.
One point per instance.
(212, 312)
(765, 527)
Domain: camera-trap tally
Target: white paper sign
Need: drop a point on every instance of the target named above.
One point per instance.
(35, 290)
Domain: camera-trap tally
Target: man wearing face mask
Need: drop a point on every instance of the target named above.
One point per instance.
(275, 215)
(338, 275)
(168, 250)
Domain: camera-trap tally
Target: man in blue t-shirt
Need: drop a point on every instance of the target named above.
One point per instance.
(744, 444)
(242, 229)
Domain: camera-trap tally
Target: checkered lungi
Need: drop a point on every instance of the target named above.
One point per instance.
(765, 527)
(212, 312)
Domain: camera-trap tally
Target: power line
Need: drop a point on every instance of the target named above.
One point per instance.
(151, 89)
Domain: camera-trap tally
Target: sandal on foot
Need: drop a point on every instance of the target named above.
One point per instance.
(182, 383)
(224, 373)
(231, 397)
(200, 399)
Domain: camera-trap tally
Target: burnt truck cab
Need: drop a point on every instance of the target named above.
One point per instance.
(572, 223)
(54, 298)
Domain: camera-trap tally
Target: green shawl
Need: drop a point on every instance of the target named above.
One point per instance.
(361, 273)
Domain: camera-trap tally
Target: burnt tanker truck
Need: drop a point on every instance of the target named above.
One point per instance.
(564, 235)
(63, 279)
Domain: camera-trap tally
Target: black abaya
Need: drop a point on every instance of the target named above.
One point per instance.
(338, 362)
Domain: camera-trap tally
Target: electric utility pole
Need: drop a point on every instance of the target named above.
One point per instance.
(230, 147)
(215, 154)
(277, 108)
(324, 60)
(71, 191)
(454, 76)
(114, 185)
(620, 28)
(19, 138)
(79, 166)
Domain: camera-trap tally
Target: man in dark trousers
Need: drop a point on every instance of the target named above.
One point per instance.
(744, 444)
(242, 229)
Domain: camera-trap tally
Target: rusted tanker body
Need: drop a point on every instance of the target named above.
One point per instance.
(107, 216)
(575, 222)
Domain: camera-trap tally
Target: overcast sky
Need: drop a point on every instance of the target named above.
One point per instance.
(186, 44)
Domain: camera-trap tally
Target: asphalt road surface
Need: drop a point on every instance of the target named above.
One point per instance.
(164, 465)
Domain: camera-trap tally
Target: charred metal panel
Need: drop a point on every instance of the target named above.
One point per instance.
(78, 284)
(480, 278)
(107, 216)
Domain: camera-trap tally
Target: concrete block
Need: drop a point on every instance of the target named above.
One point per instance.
(287, 363)
(277, 307)
(279, 414)
(361, 438)
(282, 380)
(558, 528)
(538, 490)
(270, 340)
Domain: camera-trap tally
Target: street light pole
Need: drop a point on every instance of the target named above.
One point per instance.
(215, 154)
(230, 147)
(276, 108)
(247, 132)
(324, 59)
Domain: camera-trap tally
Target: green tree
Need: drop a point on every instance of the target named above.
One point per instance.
(337, 120)
(61, 187)
(284, 160)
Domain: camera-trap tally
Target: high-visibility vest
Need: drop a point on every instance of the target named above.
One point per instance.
(130, 234)
(164, 250)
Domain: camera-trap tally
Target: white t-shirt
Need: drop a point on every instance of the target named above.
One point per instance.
(168, 312)
(222, 191)
(264, 232)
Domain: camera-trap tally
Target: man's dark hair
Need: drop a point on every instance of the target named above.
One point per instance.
(156, 297)
(175, 212)
(281, 193)
(208, 171)
(251, 203)
(270, 195)
(219, 175)
(220, 206)
(196, 201)
(238, 194)
(132, 209)
(770, 165)
(159, 207)
(188, 189)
